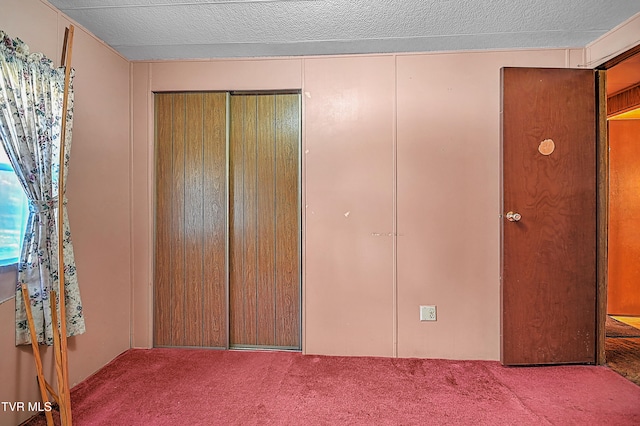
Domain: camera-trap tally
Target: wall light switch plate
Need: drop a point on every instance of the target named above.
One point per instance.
(428, 313)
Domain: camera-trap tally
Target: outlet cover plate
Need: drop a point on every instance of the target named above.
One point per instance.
(428, 313)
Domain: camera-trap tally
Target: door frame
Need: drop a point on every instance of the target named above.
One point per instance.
(602, 213)
(602, 198)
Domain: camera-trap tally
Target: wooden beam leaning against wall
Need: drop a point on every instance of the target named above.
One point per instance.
(63, 395)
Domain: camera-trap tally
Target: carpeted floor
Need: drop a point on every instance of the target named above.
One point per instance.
(207, 387)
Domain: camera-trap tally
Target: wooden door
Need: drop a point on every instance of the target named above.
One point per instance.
(190, 224)
(548, 288)
(264, 256)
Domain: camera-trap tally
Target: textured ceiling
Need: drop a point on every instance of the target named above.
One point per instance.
(173, 29)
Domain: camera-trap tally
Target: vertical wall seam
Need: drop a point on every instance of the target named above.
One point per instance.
(395, 208)
(151, 201)
(302, 143)
(131, 214)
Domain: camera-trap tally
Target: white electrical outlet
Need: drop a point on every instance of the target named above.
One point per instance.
(428, 313)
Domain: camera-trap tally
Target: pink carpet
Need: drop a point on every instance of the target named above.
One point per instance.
(208, 387)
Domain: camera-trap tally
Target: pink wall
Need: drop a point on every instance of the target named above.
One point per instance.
(348, 267)
(99, 203)
(401, 193)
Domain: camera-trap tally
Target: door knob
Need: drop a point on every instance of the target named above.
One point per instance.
(513, 216)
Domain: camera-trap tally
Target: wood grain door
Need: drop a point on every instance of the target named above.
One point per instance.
(227, 266)
(264, 254)
(190, 225)
(548, 288)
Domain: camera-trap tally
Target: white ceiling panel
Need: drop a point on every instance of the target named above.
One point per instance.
(166, 29)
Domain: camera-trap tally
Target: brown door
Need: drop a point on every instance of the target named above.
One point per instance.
(264, 255)
(190, 228)
(548, 286)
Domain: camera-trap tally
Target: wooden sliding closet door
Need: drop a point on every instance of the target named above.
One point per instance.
(190, 225)
(264, 254)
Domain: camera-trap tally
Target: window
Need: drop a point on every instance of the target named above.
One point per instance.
(14, 211)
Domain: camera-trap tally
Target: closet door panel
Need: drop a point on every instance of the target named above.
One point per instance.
(287, 258)
(177, 223)
(164, 174)
(266, 309)
(236, 224)
(190, 298)
(254, 299)
(244, 244)
(250, 218)
(264, 277)
(194, 237)
(214, 226)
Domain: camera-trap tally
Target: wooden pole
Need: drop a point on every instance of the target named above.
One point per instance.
(66, 61)
(63, 401)
(63, 397)
(42, 384)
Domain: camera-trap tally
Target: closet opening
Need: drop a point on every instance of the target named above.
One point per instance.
(227, 260)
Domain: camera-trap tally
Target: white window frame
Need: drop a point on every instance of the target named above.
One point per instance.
(8, 278)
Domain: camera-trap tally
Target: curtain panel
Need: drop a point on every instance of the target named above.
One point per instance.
(31, 98)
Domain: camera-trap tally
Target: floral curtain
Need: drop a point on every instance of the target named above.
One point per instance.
(31, 97)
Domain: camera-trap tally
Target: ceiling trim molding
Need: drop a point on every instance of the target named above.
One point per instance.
(614, 43)
(620, 58)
